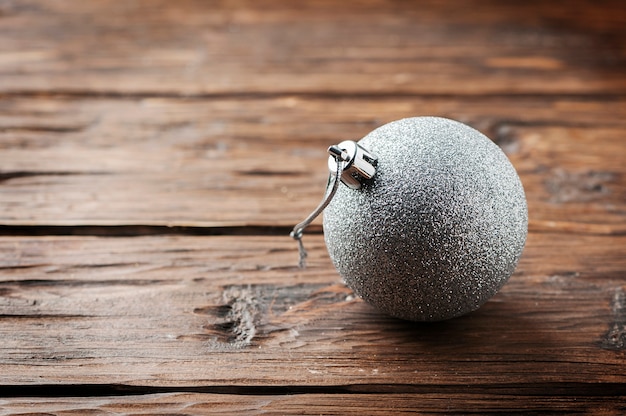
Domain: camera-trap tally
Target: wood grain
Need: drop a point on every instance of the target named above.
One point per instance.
(357, 47)
(153, 155)
(313, 404)
(211, 311)
(179, 162)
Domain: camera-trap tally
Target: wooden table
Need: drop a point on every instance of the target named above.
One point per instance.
(155, 154)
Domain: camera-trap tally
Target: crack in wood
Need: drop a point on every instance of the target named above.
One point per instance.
(243, 310)
(261, 172)
(132, 230)
(7, 176)
(252, 313)
(565, 186)
(255, 95)
(565, 389)
(81, 283)
(615, 337)
(42, 129)
(8, 316)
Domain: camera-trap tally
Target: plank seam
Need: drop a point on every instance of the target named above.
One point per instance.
(591, 389)
(146, 230)
(248, 95)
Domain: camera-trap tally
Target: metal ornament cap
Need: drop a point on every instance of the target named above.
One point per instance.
(359, 163)
(439, 228)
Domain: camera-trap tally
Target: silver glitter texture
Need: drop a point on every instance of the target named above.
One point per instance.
(438, 230)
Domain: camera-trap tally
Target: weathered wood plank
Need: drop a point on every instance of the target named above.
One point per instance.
(316, 404)
(236, 311)
(233, 162)
(362, 47)
(217, 114)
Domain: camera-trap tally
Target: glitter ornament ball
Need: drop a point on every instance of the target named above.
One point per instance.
(438, 229)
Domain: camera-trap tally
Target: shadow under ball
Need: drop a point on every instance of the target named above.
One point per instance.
(440, 227)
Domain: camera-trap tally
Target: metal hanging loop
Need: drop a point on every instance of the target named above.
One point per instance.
(349, 163)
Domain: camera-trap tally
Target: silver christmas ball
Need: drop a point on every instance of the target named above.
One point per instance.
(438, 229)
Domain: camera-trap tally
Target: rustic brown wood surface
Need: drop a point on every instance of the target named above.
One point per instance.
(154, 154)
